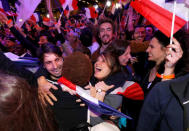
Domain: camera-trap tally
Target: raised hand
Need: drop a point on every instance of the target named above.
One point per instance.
(44, 91)
(173, 53)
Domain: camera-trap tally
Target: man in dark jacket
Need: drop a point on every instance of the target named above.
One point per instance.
(167, 107)
(68, 113)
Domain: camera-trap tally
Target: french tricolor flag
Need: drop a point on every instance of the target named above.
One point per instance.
(159, 13)
(35, 17)
(25, 9)
(93, 103)
(91, 12)
(1, 8)
(72, 4)
(67, 11)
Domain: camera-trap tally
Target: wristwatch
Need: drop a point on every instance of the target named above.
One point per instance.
(99, 90)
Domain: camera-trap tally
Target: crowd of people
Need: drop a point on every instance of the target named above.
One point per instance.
(117, 55)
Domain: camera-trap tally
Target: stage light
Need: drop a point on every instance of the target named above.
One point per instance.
(48, 16)
(108, 3)
(96, 6)
(20, 20)
(118, 5)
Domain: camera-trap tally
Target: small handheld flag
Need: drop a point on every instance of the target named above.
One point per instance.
(93, 103)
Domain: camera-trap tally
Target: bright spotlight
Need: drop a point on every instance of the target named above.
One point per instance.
(96, 6)
(118, 5)
(20, 20)
(48, 16)
(108, 3)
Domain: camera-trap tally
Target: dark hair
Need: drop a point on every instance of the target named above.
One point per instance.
(86, 37)
(106, 20)
(48, 35)
(138, 26)
(21, 108)
(151, 26)
(84, 50)
(118, 47)
(112, 61)
(181, 36)
(162, 39)
(48, 48)
(182, 65)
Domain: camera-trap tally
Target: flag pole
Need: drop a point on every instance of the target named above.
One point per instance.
(105, 6)
(104, 9)
(173, 22)
(60, 16)
(59, 31)
(14, 20)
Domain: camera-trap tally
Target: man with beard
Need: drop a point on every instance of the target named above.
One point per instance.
(106, 30)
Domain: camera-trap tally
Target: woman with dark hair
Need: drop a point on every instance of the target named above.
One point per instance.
(121, 49)
(157, 52)
(20, 108)
(107, 78)
(132, 102)
(166, 107)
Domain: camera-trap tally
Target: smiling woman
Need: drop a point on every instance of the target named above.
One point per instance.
(106, 65)
(158, 54)
(166, 106)
(107, 77)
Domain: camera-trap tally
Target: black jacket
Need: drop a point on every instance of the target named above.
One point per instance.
(166, 108)
(10, 67)
(68, 113)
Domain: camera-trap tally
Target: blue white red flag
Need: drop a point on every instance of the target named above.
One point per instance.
(159, 13)
(25, 9)
(35, 17)
(67, 11)
(90, 12)
(93, 103)
(1, 7)
(71, 3)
